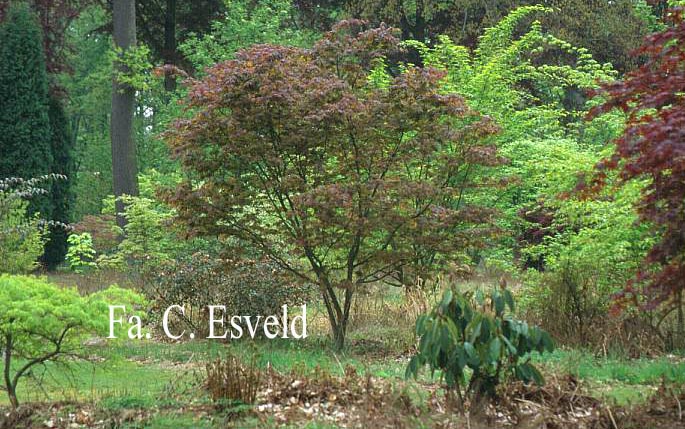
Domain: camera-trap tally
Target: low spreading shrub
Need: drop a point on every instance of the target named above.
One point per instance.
(245, 287)
(42, 322)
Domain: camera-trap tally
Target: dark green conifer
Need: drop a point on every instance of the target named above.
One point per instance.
(25, 137)
(61, 195)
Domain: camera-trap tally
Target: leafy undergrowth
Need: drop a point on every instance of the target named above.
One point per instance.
(159, 385)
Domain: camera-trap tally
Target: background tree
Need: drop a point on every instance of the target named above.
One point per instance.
(163, 26)
(246, 23)
(25, 149)
(318, 15)
(652, 149)
(55, 17)
(609, 29)
(124, 164)
(88, 107)
(337, 171)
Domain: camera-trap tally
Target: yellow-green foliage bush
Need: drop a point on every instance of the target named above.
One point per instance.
(21, 237)
(41, 322)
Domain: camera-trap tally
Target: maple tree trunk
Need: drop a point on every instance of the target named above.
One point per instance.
(338, 315)
(342, 325)
(124, 168)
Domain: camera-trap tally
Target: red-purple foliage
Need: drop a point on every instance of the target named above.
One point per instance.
(54, 16)
(653, 147)
(341, 181)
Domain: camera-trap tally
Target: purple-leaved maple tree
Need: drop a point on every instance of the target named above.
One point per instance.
(341, 172)
(652, 148)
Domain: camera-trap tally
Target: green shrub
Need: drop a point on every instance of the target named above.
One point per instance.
(589, 251)
(534, 85)
(150, 238)
(81, 253)
(41, 322)
(478, 334)
(22, 237)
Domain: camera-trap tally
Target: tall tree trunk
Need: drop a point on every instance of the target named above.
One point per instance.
(124, 169)
(170, 43)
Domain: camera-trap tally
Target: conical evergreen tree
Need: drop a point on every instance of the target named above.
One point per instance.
(25, 138)
(61, 190)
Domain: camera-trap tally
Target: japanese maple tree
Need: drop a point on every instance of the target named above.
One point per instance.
(331, 166)
(652, 148)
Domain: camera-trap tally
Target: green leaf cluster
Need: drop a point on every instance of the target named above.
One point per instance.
(506, 79)
(81, 253)
(246, 23)
(132, 66)
(476, 334)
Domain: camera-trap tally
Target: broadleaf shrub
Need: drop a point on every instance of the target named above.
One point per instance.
(81, 253)
(22, 236)
(476, 333)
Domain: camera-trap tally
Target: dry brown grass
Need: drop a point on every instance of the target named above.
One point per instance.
(96, 280)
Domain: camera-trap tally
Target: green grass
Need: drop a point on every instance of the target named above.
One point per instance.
(283, 355)
(618, 380)
(607, 369)
(141, 374)
(166, 377)
(110, 375)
